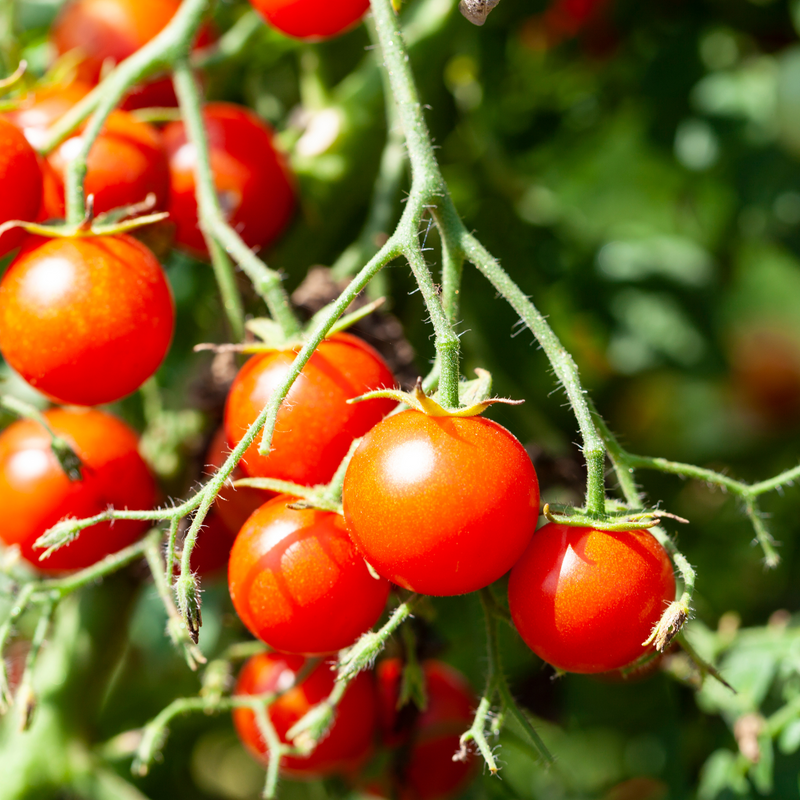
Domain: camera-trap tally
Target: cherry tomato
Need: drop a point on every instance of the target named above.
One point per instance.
(315, 425)
(250, 175)
(584, 600)
(349, 739)
(424, 768)
(105, 32)
(311, 19)
(440, 505)
(35, 493)
(126, 163)
(298, 583)
(20, 183)
(85, 320)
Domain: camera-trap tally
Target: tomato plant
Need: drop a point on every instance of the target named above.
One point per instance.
(316, 425)
(311, 19)
(350, 738)
(85, 320)
(35, 492)
(440, 505)
(20, 183)
(251, 177)
(298, 583)
(585, 600)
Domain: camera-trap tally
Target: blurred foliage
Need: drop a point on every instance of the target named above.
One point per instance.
(637, 171)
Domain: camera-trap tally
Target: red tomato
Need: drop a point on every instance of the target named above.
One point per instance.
(106, 32)
(315, 425)
(349, 739)
(584, 600)
(20, 183)
(441, 505)
(86, 320)
(298, 583)
(425, 768)
(126, 163)
(311, 19)
(212, 548)
(233, 504)
(250, 175)
(35, 493)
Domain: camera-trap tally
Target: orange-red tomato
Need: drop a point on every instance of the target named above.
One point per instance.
(315, 424)
(20, 183)
(250, 175)
(424, 768)
(584, 600)
(85, 320)
(105, 32)
(299, 584)
(350, 738)
(35, 493)
(311, 19)
(440, 505)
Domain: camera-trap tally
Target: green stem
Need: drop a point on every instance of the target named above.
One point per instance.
(231, 43)
(229, 291)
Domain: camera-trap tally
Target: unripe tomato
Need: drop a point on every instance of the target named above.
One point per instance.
(35, 493)
(126, 162)
(85, 320)
(20, 183)
(584, 600)
(105, 32)
(349, 739)
(311, 19)
(440, 505)
(299, 584)
(251, 177)
(315, 425)
(424, 768)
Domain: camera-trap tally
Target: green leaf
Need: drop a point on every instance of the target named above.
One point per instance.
(721, 772)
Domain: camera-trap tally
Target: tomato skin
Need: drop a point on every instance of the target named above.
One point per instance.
(315, 426)
(86, 320)
(440, 505)
(424, 768)
(20, 183)
(251, 177)
(298, 583)
(35, 493)
(311, 19)
(584, 600)
(349, 739)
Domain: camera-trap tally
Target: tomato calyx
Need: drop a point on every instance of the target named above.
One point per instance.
(620, 519)
(474, 392)
(317, 497)
(669, 626)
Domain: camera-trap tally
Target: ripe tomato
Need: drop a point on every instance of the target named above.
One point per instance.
(298, 583)
(424, 768)
(20, 183)
(233, 504)
(440, 505)
(349, 739)
(315, 425)
(86, 320)
(35, 493)
(250, 175)
(311, 19)
(105, 32)
(584, 600)
(126, 163)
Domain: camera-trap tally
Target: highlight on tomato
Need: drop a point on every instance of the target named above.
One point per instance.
(440, 505)
(350, 738)
(585, 600)
(35, 492)
(315, 425)
(251, 177)
(20, 184)
(85, 320)
(311, 19)
(299, 584)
